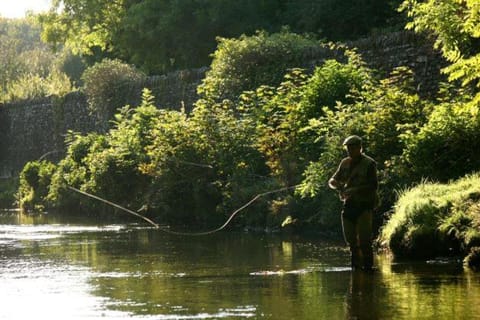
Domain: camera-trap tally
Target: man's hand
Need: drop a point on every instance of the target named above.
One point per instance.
(334, 184)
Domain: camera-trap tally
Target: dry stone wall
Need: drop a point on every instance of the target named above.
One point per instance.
(30, 130)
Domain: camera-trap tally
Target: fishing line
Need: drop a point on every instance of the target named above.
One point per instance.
(157, 226)
(115, 205)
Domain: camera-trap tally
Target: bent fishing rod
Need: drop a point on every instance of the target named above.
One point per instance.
(163, 229)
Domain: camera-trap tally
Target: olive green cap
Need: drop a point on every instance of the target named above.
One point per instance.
(352, 140)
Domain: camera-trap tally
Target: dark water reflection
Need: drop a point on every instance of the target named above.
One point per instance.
(87, 271)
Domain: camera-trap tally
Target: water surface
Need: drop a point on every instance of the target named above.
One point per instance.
(63, 270)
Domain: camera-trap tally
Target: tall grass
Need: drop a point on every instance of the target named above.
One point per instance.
(434, 219)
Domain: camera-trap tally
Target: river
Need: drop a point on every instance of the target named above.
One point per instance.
(54, 269)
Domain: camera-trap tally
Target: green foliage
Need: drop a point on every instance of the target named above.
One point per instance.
(343, 20)
(203, 165)
(434, 219)
(283, 117)
(179, 168)
(8, 189)
(251, 61)
(108, 86)
(35, 179)
(379, 112)
(446, 147)
(28, 69)
(161, 35)
(455, 25)
(333, 82)
(73, 171)
(82, 25)
(72, 65)
(188, 29)
(31, 86)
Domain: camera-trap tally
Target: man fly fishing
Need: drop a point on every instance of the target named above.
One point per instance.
(356, 181)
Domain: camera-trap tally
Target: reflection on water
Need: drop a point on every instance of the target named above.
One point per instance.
(59, 270)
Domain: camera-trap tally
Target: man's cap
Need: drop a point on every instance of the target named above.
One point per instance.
(352, 140)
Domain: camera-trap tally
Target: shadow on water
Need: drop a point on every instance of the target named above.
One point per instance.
(88, 270)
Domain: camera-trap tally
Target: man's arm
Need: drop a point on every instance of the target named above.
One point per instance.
(335, 182)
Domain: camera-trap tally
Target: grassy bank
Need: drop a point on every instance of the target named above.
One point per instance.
(434, 219)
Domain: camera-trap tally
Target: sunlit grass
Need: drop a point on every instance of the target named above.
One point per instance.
(435, 219)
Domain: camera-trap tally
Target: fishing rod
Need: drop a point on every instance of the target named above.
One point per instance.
(178, 233)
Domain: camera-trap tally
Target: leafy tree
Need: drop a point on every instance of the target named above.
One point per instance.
(181, 34)
(345, 20)
(20, 50)
(455, 24)
(85, 26)
(28, 69)
(161, 35)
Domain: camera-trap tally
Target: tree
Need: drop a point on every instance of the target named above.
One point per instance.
(340, 20)
(164, 35)
(28, 69)
(455, 24)
(84, 25)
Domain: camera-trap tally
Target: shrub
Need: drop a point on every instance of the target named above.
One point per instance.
(251, 61)
(205, 165)
(109, 85)
(73, 171)
(447, 146)
(34, 182)
(282, 116)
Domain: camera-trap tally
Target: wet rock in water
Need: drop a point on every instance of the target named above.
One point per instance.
(472, 261)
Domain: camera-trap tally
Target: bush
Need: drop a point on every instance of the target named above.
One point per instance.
(447, 146)
(35, 179)
(205, 165)
(109, 85)
(434, 219)
(180, 169)
(248, 62)
(73, 171)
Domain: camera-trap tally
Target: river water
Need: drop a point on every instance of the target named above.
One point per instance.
(53, 269)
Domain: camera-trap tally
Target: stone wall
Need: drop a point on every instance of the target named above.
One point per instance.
(36, 129)
(32, 129)
(405, 48)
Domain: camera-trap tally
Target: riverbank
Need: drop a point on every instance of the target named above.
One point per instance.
(433, 219)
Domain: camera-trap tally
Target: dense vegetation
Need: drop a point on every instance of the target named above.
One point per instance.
(263, 122)
(161, 35)
(28, 69)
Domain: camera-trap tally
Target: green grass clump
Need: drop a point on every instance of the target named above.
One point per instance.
(433, 219)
